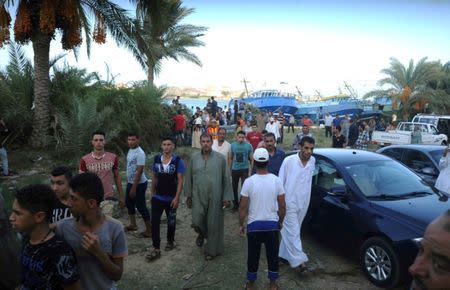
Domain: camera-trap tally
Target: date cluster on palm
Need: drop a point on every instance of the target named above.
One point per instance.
(46, 16)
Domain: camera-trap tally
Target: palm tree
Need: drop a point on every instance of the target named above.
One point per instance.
(38, 21)
(163, 36)
(439, 101)
(408, 86)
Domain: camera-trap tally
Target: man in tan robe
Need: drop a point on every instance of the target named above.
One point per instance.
(208, 190)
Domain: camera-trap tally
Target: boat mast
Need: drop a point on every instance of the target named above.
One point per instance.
(245, 84)
(350, 90)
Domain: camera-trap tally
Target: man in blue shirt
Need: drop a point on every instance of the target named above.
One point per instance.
(241, 156)
(276, 155)
(336, 121)
(167, 183)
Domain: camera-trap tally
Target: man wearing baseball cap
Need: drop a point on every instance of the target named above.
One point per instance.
(262, 200)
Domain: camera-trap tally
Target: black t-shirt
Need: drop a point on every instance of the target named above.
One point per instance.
(48, 265)
(61, 211)
(338, 142)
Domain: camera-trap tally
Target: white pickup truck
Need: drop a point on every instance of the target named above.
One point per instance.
(402, 135)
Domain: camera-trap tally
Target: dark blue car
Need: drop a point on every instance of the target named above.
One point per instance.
(365, 196)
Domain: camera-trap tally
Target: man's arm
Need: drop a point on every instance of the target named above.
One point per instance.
(137, 177)
(243, 212)
(118, 181)
(112, 267)
(154, 182)
(281, 208)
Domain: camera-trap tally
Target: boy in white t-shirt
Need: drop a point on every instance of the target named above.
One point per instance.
(262, 199)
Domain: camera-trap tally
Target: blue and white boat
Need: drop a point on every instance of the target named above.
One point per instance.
(335, 105)
(270, 100)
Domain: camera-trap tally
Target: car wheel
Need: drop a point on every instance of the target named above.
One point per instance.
(380, 262)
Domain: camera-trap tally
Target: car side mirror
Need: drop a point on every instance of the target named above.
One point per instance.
(428, 170)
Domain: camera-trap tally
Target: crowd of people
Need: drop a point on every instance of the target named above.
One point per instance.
(69, 243)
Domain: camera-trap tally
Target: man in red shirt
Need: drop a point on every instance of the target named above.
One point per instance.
(105, 165)
(307, 121)
(180, 126)
(254, 136)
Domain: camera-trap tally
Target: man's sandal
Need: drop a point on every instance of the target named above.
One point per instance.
(153, 255)
(130, 228)
(199, 241)
(169, 247)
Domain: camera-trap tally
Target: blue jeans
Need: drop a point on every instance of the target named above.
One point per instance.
(138, 201)
(4, 158)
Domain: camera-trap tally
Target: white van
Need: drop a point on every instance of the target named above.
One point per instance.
(442, 122)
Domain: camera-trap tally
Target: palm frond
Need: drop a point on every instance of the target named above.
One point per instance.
(120, 26)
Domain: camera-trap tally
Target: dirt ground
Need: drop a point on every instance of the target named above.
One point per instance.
(185, 266)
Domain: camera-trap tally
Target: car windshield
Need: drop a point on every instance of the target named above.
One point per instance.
(387, 178)
(436, 154)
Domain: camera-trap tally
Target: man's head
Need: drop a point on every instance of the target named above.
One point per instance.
(206, 143)
(167, 145)
(269, 141)
(306, 147)
(337, 129)
(271, 120)
(254, 127)
(179, 112)
(305, 130)
(133, 140)
(337, 116)
(305, 117)
(327, 114)
(240, 136)
(213, 123)
(86, 193)
(32, 206)
(98, 140)
(222, 134)
(59, 179)
(261, 158)
(431, 269)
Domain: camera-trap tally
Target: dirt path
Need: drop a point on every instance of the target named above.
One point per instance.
(186, 268)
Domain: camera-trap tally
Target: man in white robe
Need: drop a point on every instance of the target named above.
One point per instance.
(296, 174)
(273, 127)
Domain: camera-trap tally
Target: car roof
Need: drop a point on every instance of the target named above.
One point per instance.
(419, 147)
(349, 156)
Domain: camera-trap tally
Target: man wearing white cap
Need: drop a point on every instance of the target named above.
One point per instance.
(296, 174)
(273, 127)
(262, 199)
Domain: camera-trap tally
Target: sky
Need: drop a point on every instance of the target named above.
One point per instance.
(284, 44)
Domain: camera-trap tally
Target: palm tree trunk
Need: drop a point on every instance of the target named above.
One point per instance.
(150, 74)
(41, 116)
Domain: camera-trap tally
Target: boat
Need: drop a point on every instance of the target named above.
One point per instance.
(270, 100)
(335, 105)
